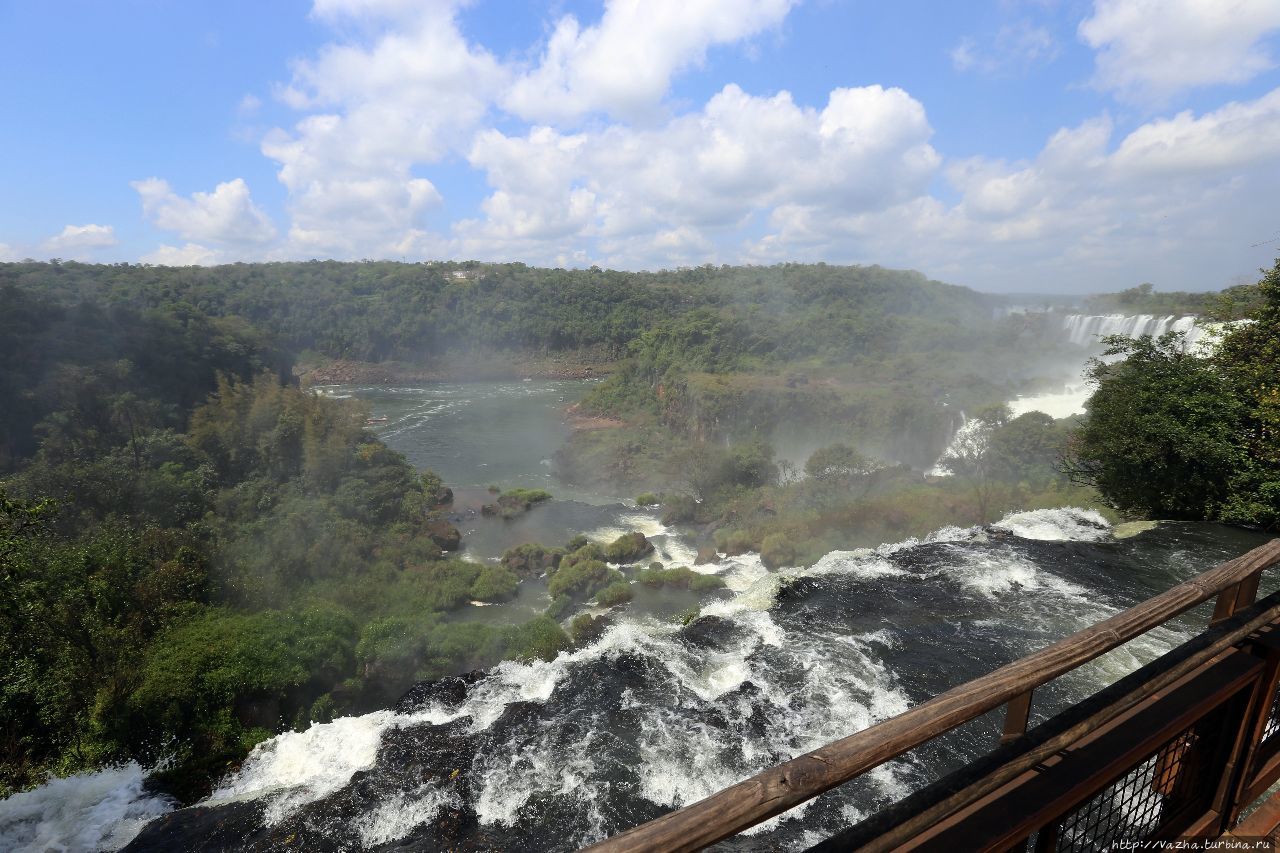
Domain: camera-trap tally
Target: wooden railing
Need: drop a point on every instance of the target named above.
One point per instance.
(1233, 661)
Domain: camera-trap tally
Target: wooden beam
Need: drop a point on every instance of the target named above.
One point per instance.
(1016, 714)
(1263, 822)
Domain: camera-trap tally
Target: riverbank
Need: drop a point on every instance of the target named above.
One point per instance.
(496, 367)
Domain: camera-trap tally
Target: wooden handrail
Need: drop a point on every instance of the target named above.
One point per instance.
(786, 785)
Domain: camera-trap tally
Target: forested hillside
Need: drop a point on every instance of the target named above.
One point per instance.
(382, 310)
(194, 552)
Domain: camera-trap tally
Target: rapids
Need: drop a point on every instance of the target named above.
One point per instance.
(656, 714)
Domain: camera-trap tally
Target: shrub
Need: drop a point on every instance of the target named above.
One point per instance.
(680, 509)
(680, 577)
(590, 551)
(628, 548)
(514, 502)
(531, 560)
(494, 583)
(442, 585)
(586, 628)
(559, 606)
(733, 542)
(581, 579)
(267, 666)
(540, 638)
(618, 592)
(532, 496)
(777, 551)
(647, 499)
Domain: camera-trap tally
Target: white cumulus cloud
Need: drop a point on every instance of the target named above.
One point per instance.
(79, 240)
(623, 66)
(588, 158)
(407, 97)
(646, 192)
(1149, 50)
(1177, 201)
(186, 255)
(227, 215)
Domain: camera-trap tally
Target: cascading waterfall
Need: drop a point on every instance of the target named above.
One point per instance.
(960, 437)
(1087, 329)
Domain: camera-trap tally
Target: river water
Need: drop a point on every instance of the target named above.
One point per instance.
(656, 714)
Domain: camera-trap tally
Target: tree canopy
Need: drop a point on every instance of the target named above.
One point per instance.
(1171, 434)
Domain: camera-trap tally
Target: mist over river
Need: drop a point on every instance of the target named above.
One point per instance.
(655, 714)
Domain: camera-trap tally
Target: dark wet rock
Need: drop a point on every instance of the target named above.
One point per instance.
(444, 534)
(427, 752)
(451, 691)
(587, 629)
(444, 497)
(750, 695)
(207, 829)
(709, 632)
(707, 555)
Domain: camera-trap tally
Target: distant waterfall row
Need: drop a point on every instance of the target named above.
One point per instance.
(1086, 329)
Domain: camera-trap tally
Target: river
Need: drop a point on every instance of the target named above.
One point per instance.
(656, 713)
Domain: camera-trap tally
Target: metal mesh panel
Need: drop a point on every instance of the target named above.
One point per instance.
(1180, 774)
(1273, 718)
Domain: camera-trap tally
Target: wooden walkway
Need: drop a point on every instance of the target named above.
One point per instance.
(1264, 822)
(1175, 750)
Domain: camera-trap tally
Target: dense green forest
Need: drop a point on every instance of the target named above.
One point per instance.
(1229, 304)
(376, 311)
(197, 553)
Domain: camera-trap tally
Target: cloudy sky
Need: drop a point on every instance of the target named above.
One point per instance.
(1024, 145)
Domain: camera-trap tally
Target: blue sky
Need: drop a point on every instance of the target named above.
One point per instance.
(1027, 146)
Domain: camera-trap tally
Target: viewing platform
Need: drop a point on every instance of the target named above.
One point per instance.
(1185, 748)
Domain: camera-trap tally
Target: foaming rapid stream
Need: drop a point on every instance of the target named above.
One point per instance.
(655, 715)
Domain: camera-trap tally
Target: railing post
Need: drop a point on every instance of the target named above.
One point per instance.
(1016, 714)
(1047, 838)
(1250, 780)
(1235, 597)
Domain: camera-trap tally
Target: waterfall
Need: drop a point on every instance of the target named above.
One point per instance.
(960, 433)
(1086, 329)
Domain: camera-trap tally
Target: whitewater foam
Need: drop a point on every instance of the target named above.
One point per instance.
(85, 813)
(396, 817)
(1064, 524)
(296, 768)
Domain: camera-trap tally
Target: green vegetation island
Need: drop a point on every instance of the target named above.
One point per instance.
(199, 552)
